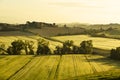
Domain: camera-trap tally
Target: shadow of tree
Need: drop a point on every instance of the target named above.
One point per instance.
(104, 61)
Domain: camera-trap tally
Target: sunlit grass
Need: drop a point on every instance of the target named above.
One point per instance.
(103, 43)
(54, 67)
(11, 64)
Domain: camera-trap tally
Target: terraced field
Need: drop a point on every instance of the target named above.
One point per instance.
(102, 43)
(53, 67)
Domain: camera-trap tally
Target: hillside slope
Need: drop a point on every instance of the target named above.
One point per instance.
(56, 31)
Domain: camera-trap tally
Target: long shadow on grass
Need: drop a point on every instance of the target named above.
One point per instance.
(105, 61)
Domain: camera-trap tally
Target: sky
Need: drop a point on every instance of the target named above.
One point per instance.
(60, 11)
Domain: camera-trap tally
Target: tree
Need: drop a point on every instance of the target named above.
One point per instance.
(2, 48)
(10, 50)
(67, 46)
(86, 47)
(65, 49)
(58, 50)
(112, 53)
(115, 53)
(16, 47)
(75, 49)
(28, 47)
(43, 47)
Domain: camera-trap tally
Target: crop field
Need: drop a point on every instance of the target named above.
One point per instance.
(10, 64)
(102, 43)
(53, 67)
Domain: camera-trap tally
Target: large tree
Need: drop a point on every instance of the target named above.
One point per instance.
(16, 47)
(86, 47)
(43, 47)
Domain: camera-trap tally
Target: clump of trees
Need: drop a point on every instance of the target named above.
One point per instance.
(65, 49)
(35, 24)
(115, 53)
(86, 47)
(18, 45)
(43, 47)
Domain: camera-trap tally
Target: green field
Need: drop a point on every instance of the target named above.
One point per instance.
(102, 43)
(53, 67)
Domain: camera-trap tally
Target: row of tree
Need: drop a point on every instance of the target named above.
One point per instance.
(68, 47)
(18, 46)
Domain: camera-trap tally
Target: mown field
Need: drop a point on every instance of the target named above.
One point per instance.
(53, 67)
(102, 43)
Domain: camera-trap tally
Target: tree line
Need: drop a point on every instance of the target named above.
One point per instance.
(85, 47)
(43, 48)
(68, 47)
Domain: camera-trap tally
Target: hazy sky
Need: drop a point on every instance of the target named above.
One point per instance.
(60, 11)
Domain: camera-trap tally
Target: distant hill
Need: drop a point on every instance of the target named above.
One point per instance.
(53, 29)
(27, 25)
(15, 33)
(57, 31)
